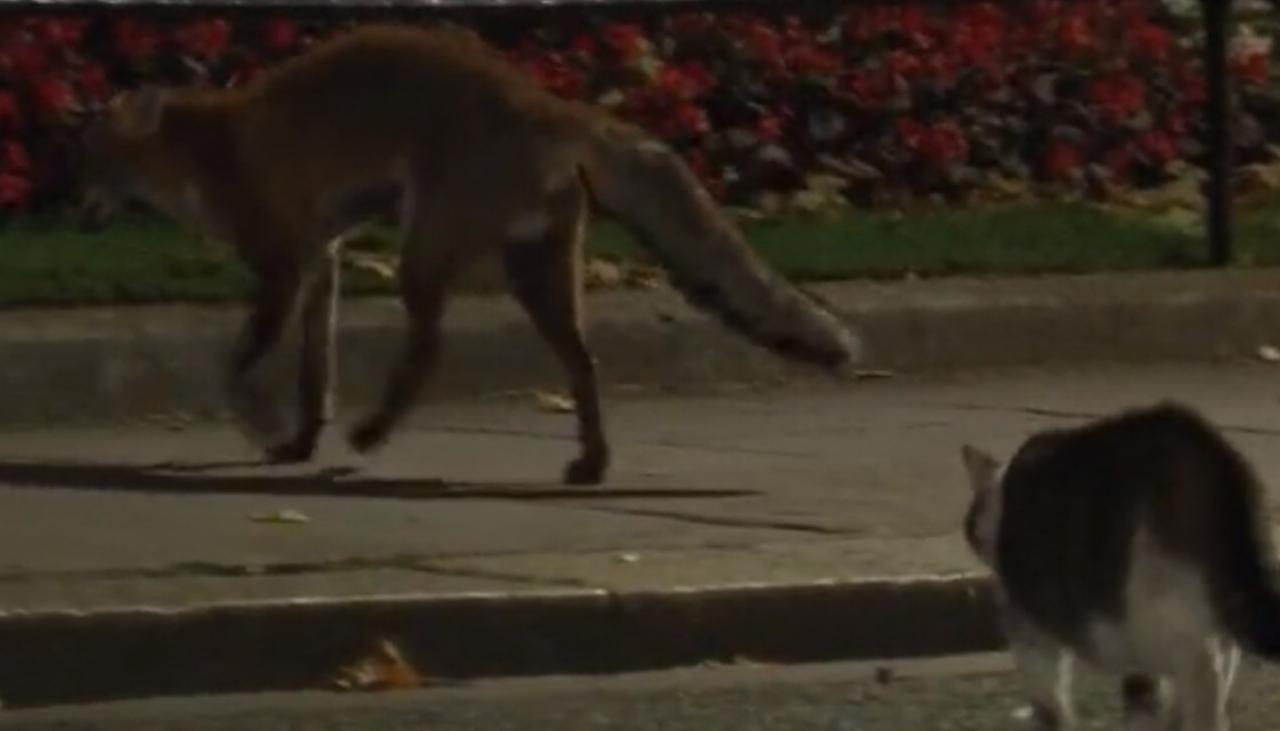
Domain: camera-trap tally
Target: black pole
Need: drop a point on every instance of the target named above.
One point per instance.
(1217, 13)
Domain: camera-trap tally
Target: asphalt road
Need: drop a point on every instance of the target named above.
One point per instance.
(971, 693)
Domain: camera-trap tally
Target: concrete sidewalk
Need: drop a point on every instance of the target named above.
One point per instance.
(816, 513)
(137, 361)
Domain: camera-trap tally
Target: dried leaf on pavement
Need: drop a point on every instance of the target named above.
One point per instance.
(869, 373)
(384, 266)
(602, 273)
(385, 668)
(553, 402)
(287, 516)
(1269, 353)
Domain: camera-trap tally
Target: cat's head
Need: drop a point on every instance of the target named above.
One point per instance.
(982, 519)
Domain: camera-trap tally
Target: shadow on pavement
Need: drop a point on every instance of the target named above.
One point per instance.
(195, 478)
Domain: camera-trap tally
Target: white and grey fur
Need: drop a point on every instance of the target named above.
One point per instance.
(1134, 543)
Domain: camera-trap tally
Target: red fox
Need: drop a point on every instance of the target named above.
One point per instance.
(479, 159)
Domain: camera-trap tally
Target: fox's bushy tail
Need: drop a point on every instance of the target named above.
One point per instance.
(648, 187)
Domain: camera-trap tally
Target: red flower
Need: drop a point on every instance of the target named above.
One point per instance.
(1062, 160)
(905, 64)
(10, 116)
(978, 34)
(868, 88)
(27, 59)
(811, 60)
(686, 120)
(1118, 160)
(944, 144)
(911, 133)
(53, 96)
(1118, 97)
(1151, 41)
(281, 34)
(1075, 34)
(14, 191)
(584, 46)
(555, 75)
(769, 128)
(687, 82)
(64, 32)
(15, 156)
(206, 39)
(1253, 68)
(135, 39)
(93, 81)
(626, 40)
(765, 43)
(1158, 146)
(940, 145)
(1193, 88)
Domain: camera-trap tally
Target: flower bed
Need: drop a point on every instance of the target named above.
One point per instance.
(871, 105)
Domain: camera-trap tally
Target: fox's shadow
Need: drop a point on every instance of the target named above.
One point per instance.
(200, 478)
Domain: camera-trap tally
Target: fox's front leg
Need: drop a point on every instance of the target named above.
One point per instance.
(252, 402)
(318, 362)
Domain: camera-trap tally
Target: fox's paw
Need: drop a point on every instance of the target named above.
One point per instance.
(586, 470)
(258, 418)
(292, 452)
(367, 436)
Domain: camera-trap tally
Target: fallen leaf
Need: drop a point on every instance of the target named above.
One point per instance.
(288, 516)
(601, 273)
(869, 373)
(554, 402)
(1269, 353)
(643, 276)
(1023, 714)
(385, 668)
(383, 266)
(628, 558)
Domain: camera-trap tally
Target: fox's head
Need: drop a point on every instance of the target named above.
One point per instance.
(117, 145)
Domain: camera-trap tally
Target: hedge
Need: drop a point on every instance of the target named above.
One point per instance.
(865, 104)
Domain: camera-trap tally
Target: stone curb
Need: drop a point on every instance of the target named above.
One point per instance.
(132, 362)
(64, 657)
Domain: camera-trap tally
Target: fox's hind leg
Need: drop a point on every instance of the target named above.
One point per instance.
(544, 265)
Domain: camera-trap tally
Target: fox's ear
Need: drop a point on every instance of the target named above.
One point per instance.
(982, 468)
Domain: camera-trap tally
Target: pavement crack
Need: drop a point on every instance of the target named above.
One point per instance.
(660, 442)
(208, 570)
(722, 521)
(472, 573)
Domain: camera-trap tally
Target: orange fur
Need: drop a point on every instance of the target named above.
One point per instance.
(479, 159)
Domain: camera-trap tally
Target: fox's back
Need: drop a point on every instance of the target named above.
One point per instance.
(378, 90)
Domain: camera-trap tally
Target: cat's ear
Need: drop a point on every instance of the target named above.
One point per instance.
(982, 468)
